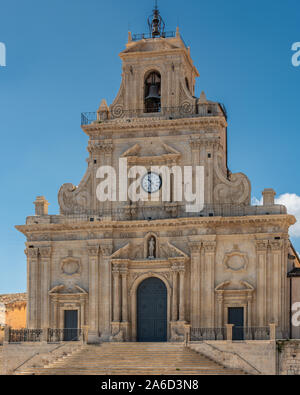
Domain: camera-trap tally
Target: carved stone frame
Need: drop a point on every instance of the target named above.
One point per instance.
(133, 302)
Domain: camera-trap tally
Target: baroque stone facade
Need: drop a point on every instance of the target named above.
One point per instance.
(94, 256)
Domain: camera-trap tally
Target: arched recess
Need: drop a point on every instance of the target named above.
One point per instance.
(152, 91)
(133, 302)
(146, 245)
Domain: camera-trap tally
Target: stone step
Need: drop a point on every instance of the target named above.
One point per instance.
(134, 359)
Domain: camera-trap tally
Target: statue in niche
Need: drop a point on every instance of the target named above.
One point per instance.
(152, 248)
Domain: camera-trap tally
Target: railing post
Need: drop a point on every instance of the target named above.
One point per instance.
(229, 328)
(6, 334)
(85, 333)
(187, 334)
(45, 335)
(272, 331)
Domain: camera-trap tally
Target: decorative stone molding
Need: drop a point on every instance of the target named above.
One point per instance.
(106, 248)
(100, 146)
(32, 253)
(236, 261)
(276, 245)
(71, 266)
(209, 247)
(195, 247)
(45, 252)
(235, 189)
(261, 245)
(93, 250)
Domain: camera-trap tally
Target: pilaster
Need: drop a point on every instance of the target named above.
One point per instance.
(45, 258)
(93, 251)
(32, 287)
(195, 248)
(261, 307)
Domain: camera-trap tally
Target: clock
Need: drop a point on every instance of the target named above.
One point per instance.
(151, 182)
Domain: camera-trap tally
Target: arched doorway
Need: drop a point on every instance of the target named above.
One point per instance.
(152, 311)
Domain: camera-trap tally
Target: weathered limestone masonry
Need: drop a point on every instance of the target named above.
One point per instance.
(93, 260)
(288, 357)
(12, 312)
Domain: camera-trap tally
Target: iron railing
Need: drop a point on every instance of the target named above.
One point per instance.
(202, 334)
(185, 111)
(156, 212)
(63, 335)
(251, 333)
(147, 36)
(25, 335)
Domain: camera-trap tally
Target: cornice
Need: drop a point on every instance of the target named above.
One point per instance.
(286, 219)
(151, 123)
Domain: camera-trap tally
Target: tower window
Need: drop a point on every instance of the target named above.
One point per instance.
(153, 92)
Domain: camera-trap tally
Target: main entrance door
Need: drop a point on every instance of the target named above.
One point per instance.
(152, 311)
(236, 317)
(71, 325)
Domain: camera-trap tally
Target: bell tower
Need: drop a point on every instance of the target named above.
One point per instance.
(158, 72)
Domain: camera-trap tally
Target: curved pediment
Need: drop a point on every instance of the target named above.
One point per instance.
(63, 289)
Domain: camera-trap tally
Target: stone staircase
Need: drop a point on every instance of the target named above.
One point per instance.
(134, 359)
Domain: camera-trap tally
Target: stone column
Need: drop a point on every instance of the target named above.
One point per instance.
(208, 294)
(55, 323)
(45, 253)
(124, 274)
(261, 307)
(181, 294)
(195, 248)
(175, 294)
(32, 286)
(249, 308)
(105, 290)
(276, 246)
(116, 294)
(220, 301)
(93, 251)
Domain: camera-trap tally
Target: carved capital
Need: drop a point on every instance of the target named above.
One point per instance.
(115, 270)
(261, 245)
(32, 252)
(93, 250)
(209, 247)
(195, 247)
(45, 252)
(106, 249)
(276, 245)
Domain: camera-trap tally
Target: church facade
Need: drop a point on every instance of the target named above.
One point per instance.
(144, 270)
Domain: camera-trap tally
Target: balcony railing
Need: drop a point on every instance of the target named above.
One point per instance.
(63, 335)
(185, 111)
(202, 334)
(147, 36)
(252, 333)
(25, 335)
(49, 335)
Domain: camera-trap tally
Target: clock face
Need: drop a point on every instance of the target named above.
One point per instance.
(151, 182)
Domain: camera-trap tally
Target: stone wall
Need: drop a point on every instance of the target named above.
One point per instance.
(254, 357)
(288, 352)
(13, 308)
(23, 356)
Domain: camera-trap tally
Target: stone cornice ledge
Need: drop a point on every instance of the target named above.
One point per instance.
(142, 224)
(150, 123)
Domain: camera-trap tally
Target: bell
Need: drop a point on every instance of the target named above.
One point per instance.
(153, 93)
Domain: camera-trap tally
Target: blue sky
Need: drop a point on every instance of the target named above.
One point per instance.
(62, 59)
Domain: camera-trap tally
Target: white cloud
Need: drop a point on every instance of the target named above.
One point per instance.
(292, 203)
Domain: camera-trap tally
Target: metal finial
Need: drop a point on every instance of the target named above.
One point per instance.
(156, 25)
